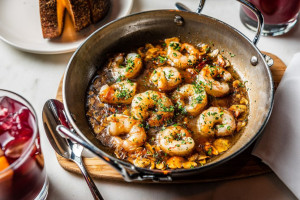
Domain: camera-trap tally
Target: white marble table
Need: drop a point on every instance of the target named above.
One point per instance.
(36, 77)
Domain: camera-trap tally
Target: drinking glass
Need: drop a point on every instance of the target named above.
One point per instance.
(280, 16)
(22, 172)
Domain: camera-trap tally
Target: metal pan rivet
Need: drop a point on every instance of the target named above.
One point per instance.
(254, 60)
(178, 20)
(269, 60)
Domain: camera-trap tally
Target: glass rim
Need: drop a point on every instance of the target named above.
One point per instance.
(26, 152)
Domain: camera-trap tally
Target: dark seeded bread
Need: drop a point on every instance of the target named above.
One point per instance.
(99, 9)
(80, 13)
(83, 13)
(52, 15)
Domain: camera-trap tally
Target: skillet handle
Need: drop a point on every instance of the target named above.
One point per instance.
(128, 175)
(259, 16)
(260, 26)
(200, 6)
(250, 6)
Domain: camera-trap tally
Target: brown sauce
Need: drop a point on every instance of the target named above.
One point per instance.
(149, 155)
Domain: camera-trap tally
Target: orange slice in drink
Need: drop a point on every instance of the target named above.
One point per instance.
(7, 174)
(3, 163)
(6, 178)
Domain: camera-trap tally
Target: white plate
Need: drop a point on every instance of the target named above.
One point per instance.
(20, 26)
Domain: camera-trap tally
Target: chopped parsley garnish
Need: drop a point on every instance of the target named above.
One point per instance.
(170, 74)
(231, 54)
(175, 46)
(198, 88)
(123, 93)
(209, 151)
(199, 99)
(162, 59)
(129, 65)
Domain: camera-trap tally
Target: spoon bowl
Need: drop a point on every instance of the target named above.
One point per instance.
(57, 141)
(53, 116)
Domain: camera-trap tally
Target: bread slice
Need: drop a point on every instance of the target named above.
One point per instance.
(52, 15)
(80, 13)
(99, 9)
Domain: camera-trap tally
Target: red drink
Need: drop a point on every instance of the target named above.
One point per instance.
(279, 15)
(22, 174)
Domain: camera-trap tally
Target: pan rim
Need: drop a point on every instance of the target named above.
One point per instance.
(176, 171)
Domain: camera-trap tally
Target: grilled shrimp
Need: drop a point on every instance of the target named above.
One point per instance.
(120, 124)
(190, 98)
(118, 93)
(216, 121)
(143, 104)
(165, 78)
(214, 87)
(176, 141)
(177, 56)
(128, 67)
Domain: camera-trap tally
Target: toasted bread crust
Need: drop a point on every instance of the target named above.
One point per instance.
(99, 9)
(80, 12)
(83, 13)
(49, 19)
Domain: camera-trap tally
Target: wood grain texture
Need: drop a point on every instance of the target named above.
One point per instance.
(243, 165)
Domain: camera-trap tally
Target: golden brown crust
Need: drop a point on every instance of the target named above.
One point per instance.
(50, 21)
(80, 12)
(99, 9)
(83, 13)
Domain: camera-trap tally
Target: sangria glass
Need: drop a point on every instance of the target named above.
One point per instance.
(280, 16)
(22, 172)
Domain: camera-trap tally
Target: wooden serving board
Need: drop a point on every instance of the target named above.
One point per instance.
(243, 165)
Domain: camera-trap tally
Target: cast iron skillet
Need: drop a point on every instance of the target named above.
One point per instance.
(136, 30)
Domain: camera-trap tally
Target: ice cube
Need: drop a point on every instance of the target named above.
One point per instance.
(12, 105)
(6, 124)
(22, 116)
(23, 120)
(5, 138)
(15, 148)
(3, 113)
(8, 103)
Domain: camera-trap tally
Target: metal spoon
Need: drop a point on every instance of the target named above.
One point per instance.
(54, 116)
(183, 7)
